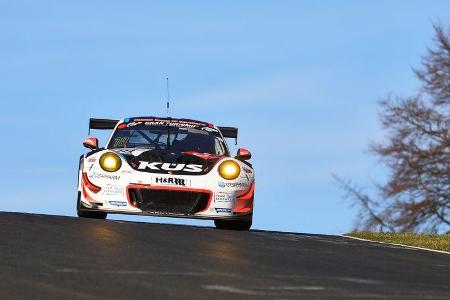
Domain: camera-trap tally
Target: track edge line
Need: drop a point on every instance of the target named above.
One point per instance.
(393, 244)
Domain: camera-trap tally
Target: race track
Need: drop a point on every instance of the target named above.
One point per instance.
(54, 257)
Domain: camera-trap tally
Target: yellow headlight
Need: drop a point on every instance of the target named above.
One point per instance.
(110, 162)
(229, 169)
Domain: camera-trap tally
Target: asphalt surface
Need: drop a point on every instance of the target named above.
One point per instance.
(55, 257)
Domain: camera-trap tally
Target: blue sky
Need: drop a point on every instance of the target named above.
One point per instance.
(299, 78)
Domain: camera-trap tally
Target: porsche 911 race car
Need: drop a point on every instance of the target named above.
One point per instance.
(166, 167)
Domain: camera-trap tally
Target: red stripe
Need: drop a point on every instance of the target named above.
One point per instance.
(244, 203)
(92, 187)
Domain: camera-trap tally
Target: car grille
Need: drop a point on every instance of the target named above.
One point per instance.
(171, 202)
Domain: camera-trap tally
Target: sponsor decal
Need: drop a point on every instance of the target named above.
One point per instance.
(117, 203)
(133, 124)
(103, 176)
(247, 170)
(232, 184)
(92, 159)
(112, 190)
(191, 168)
(223, 210)
(221, 197)
(245, 176)
(165, 122)
(156, 123)
(171, 181)
(162, 123)
(143, 120)
(201, 155)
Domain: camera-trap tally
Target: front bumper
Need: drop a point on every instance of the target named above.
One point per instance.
(148, 199)
(233, 216)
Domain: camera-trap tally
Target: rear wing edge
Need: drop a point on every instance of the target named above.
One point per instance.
(229, 132)
(102, 124)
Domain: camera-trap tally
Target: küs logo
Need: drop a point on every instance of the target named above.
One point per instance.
(143, 165)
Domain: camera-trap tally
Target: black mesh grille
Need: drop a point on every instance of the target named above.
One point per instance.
(169, 202)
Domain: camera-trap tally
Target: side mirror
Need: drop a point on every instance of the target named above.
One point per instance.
(243, 154)
(91, 143)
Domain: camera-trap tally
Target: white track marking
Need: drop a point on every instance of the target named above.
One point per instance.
(230, 289)
(399, 245)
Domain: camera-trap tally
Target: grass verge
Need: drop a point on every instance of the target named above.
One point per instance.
(436, 242)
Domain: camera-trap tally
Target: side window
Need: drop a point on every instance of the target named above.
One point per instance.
(219, 147)
(120, 139)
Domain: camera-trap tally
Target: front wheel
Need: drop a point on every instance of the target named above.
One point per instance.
(89, 214)
(234, 224)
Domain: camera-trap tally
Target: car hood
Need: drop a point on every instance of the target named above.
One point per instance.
(168, 162)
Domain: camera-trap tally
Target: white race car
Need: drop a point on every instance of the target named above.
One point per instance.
(166, 167)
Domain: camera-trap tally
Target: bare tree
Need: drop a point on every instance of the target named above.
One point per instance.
(416, 196)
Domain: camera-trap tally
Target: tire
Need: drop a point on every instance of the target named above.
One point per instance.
(89, 214)
(244, 224)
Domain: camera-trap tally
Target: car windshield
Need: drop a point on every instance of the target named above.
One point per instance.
(169, 138)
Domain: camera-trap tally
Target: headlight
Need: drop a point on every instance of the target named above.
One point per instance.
(110, 162)
(229, 169)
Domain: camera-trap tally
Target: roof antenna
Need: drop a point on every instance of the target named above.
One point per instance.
(168, 96)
